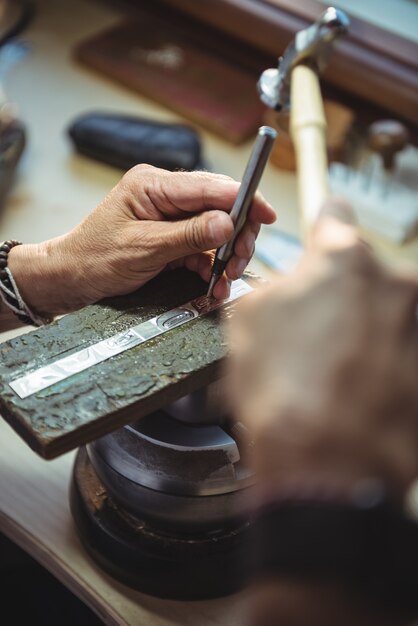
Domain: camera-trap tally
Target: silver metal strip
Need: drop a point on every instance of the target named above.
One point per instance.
(87, 357)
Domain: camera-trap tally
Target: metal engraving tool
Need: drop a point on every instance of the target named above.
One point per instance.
(250, 181)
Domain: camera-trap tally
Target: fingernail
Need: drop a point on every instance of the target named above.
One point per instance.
(220, 228)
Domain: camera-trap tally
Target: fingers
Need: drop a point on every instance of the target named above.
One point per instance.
(243, 250)
(245, 243)
(334, 228)
(236, 267)
(189, 211)
(202, 263)
(177, 193)
(174, 194)
(261, 211)
(195, 234)
(193, 241)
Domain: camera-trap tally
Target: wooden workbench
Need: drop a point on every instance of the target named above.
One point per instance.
(34, 513)
(54, 191)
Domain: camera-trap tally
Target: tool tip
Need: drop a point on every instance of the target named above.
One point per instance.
(212, 283)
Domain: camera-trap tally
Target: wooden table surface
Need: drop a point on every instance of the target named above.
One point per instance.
(34, 513)
(55, 189)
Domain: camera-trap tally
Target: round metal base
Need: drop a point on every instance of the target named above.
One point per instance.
(181, 478)
(161, 564)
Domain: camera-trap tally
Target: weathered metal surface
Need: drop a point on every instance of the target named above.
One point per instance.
(64, 367)
(121, 389)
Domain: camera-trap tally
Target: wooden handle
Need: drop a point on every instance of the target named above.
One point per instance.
(308, 131)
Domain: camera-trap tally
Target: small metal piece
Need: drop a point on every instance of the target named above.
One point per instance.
(174, 318)
(83, 359)
(172, 457)
(311, 45)
(387, 138)
(250, 181)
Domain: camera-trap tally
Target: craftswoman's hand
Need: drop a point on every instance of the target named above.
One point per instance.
(325, 371)
(325, 375)
(151, 221)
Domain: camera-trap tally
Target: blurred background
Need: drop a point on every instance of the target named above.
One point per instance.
(196, 64)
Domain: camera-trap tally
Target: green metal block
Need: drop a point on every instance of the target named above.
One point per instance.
(121, 389)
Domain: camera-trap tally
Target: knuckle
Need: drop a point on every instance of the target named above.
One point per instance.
(193, 235)
(223, 177)
(141, 168)
(204, 175)
(199, 175)
(138, 171)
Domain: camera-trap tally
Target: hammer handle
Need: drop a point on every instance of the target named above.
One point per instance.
(308, 130)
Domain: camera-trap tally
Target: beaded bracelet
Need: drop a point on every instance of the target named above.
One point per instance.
(9, 292)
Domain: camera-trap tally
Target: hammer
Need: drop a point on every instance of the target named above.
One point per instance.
(294, 84)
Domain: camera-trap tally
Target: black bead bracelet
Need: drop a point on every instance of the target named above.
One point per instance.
(5, 248)
(9, 292)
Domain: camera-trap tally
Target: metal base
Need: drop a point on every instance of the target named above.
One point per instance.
(179, 477)
(165, 565)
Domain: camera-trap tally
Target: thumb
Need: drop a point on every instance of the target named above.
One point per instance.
(201, 232)
(335, 227)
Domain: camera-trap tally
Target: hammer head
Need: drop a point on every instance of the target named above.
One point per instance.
(310, 46)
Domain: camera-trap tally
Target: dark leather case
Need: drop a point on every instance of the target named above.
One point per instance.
(124, 141)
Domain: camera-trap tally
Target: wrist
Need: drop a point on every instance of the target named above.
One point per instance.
(45, 277)
(351, 541)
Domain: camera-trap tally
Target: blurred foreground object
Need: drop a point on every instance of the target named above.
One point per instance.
(324, 376)
(360, 540)
(125, 141)
(350, 404)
